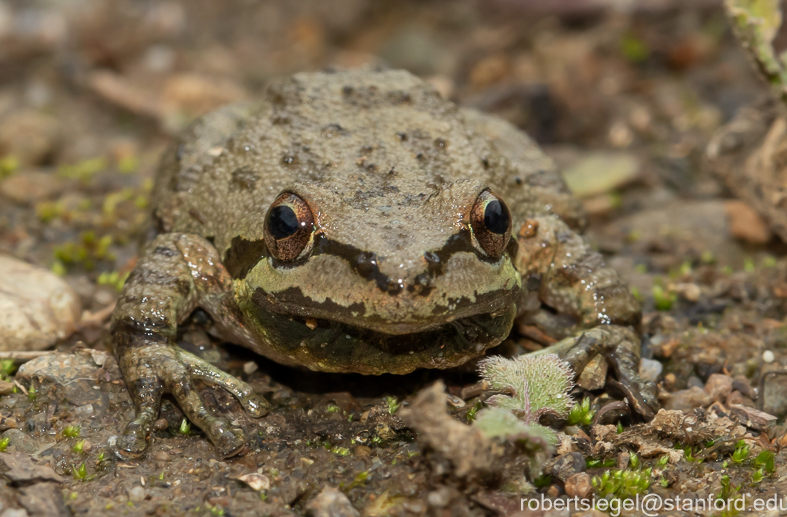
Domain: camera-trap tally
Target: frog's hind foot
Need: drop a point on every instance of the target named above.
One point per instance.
(165, 368)
(620, 346)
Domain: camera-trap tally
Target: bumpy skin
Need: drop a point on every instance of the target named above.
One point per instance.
(394, 277)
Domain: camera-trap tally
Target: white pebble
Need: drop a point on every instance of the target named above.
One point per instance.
(768, 357)
(136, 494)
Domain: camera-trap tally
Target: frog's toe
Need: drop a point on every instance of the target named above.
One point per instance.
(133, 442)
(255, 405)
(228, 440)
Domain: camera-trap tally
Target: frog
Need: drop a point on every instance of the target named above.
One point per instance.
(356, 221)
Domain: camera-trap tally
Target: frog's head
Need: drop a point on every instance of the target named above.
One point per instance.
(381, 281)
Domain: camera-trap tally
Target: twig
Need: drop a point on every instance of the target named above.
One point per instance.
(22, 356)
(96, 319)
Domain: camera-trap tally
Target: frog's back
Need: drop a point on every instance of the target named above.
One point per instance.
(375, 138)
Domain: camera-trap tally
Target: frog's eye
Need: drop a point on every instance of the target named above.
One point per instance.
(491, 223)
(288, 227)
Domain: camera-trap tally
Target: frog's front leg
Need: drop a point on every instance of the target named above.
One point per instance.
(176, 274)
(572, 278)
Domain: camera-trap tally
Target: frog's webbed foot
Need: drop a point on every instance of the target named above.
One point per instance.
(620, 346)
(159, 368)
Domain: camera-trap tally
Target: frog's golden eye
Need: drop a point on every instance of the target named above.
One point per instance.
(288, 227)
(491, 223)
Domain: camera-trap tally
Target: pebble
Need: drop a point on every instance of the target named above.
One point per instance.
(694, 382)
(745, 223)
(718, 386)
(30, 187)
(579, 485)
(161, 456)
(688, 399)
(332, 503)
(29, 135)
(768, 357)
(565, 466)
(136, 494)
(19, 441)
(650, 369)
(38, 307)
(601, 172)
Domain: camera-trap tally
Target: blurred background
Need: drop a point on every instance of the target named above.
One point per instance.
(623, 94)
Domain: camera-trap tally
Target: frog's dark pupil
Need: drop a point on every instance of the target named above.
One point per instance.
(282, 222)
(496, 217)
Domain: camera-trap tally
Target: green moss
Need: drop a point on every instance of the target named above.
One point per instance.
(622, 484)
(8, 166)
(84, 170)
(393, 404)
(71, 431)
(581, 414)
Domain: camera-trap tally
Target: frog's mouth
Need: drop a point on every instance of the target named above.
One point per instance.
(354, 345)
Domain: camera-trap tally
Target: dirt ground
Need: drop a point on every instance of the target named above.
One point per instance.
(625, 100)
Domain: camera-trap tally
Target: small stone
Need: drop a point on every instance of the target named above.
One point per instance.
(256, 481)
(650, 369)
(768, 357)
(38, 307)
(21, 442)
(74, 375)
(250, 367)
(623, 460)
(565, 466)
(753, 418)
(137, 494)
(670, 380)
(579, 485)
(29, 187)
(734, 398)
(161, 456)
(87, 446)
(29, 135)
(554, 491)
(601, 172)
(718, 386)
(745, 223)
(594, 375)
(15, 512)
(331, 503)
(687, 399)
(695, 382)
(161, 425)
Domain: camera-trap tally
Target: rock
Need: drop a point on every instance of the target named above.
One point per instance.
(600, 172)
(579, 485)
(594, 375)
(470, 452)
(650, 369)
(695, 382)
(718, 386)
(38, 307)
(137, 494)
(753, 418)
(43, 500)
(687, 399)
(20, 469)
(20, 442)
(256, 481)
(745, 223)
(565, 466)
(734, 398)
(768, 357)
(29, 187)
(73, 375)
(29, 135)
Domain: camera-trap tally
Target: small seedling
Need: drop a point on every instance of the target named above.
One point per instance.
(764, 460)
(581, 414)
(80, 473)
(471, 414)
(688, 455)
(757, 476)
(634, 461)
(393, 404)
(662, 299)
(185, 427)
(624, 484)
(79, 447)
(340, 451)
(593, 463)
(4, 443)
(7, 368)
(741, 452)
(662, 461)
(71, 431)
(619, 427)
(332, 408)
(32, 395)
